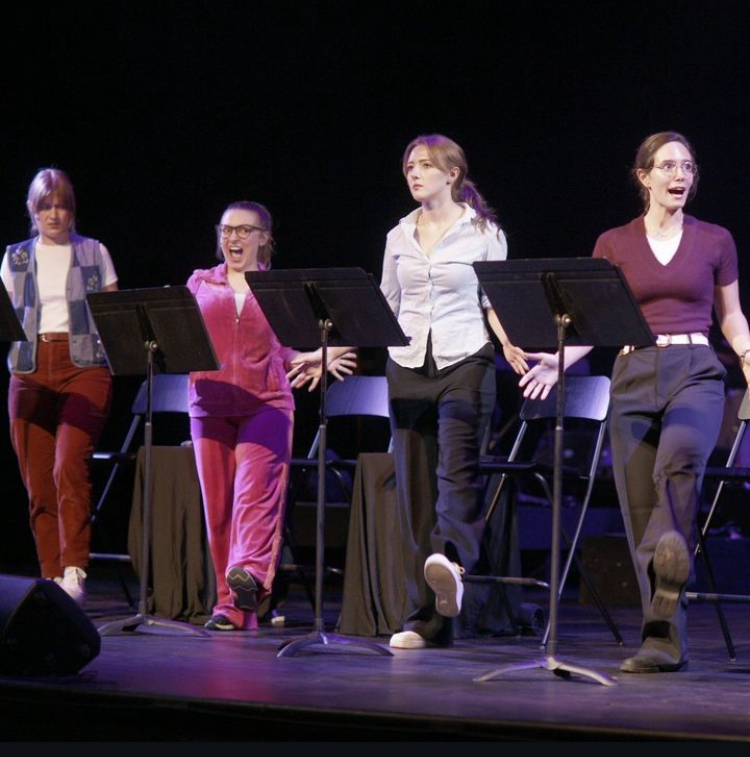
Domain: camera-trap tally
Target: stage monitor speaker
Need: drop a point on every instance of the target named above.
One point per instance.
(42, 630)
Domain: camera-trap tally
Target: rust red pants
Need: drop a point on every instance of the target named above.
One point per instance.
(56, 416)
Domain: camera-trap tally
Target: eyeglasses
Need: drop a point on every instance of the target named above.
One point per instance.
(669, 167)
(243, 232)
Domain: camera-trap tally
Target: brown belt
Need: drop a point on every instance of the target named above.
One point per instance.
(52, 336)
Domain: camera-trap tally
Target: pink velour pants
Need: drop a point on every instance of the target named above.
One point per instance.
(243, 467)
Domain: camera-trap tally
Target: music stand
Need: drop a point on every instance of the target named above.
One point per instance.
(151, 331)
(325, 307)
(10, 327)
(543, 304)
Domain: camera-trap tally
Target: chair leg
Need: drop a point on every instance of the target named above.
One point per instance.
(598, 601)
(712, 584)
(96, 518)
(573, 556)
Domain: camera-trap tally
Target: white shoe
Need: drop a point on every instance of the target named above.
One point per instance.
(407, 640)
(444, 578)
(74, 584)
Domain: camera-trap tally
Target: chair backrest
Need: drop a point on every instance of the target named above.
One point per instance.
(586, 399)
(170, 394)
(358, 395)
(355, 396)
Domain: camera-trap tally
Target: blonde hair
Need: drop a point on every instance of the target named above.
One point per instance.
(446, 155)
(51, 182)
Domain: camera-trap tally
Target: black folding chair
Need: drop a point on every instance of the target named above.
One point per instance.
(354, 399)
(727, 475)
(587, 405)
(169, 396)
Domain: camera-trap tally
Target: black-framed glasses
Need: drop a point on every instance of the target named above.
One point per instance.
(243, 231)
(669, 167)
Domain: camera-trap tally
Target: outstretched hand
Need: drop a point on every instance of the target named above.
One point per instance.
(539, 380)
(307, 368)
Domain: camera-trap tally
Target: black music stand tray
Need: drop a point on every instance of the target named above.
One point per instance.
(322, 307)
(548, 304)
(10, 327)
(149, 331)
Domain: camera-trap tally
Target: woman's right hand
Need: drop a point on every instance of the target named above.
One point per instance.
(539, 379)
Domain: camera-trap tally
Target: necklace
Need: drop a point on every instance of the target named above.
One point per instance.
(668, 233)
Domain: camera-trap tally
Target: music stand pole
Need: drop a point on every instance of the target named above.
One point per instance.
(346, 307)
(167, 323)
(550, 662)
(142, 622)
(319, 634)
(319, 626)
(590, 302)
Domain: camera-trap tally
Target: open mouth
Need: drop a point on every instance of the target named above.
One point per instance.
(677, 191)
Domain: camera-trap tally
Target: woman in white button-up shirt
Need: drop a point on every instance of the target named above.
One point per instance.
(442, 385)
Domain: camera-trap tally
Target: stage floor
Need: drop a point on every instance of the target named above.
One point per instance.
(234, 687)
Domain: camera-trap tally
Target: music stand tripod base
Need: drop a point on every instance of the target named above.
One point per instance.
(149, 624)
(560, 669)
(290, 648)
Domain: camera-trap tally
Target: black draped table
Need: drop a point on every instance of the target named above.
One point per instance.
(183, 586)
(374, 595)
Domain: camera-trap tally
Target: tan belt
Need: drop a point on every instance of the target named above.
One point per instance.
(667, 340)
(54, 336)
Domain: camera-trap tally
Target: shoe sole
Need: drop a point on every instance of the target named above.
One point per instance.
(244, 588)
(407, 642)
(671, 570)
(447, 591)
(638, 668)
(219, 623)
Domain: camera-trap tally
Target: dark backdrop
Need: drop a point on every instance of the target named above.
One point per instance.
(163, 114)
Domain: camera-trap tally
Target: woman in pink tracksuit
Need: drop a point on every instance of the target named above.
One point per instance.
(241, 418)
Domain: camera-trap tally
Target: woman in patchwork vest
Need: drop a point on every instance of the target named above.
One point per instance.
(60, 386)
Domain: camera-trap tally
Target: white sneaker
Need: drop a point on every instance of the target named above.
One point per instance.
(444, 578)
(407, 640)
(74, 584)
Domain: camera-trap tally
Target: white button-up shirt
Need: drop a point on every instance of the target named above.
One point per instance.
(439, 293)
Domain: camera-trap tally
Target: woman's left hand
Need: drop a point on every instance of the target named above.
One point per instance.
(307, 368)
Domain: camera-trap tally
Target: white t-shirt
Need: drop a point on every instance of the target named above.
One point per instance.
(52, 266)
(664, 249)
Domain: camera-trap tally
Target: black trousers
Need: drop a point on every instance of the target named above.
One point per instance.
(667, 408)
(438, 420)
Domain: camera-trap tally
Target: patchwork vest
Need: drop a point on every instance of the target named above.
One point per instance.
(84, 276)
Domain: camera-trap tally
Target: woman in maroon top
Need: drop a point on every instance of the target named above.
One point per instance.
(667, 400)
